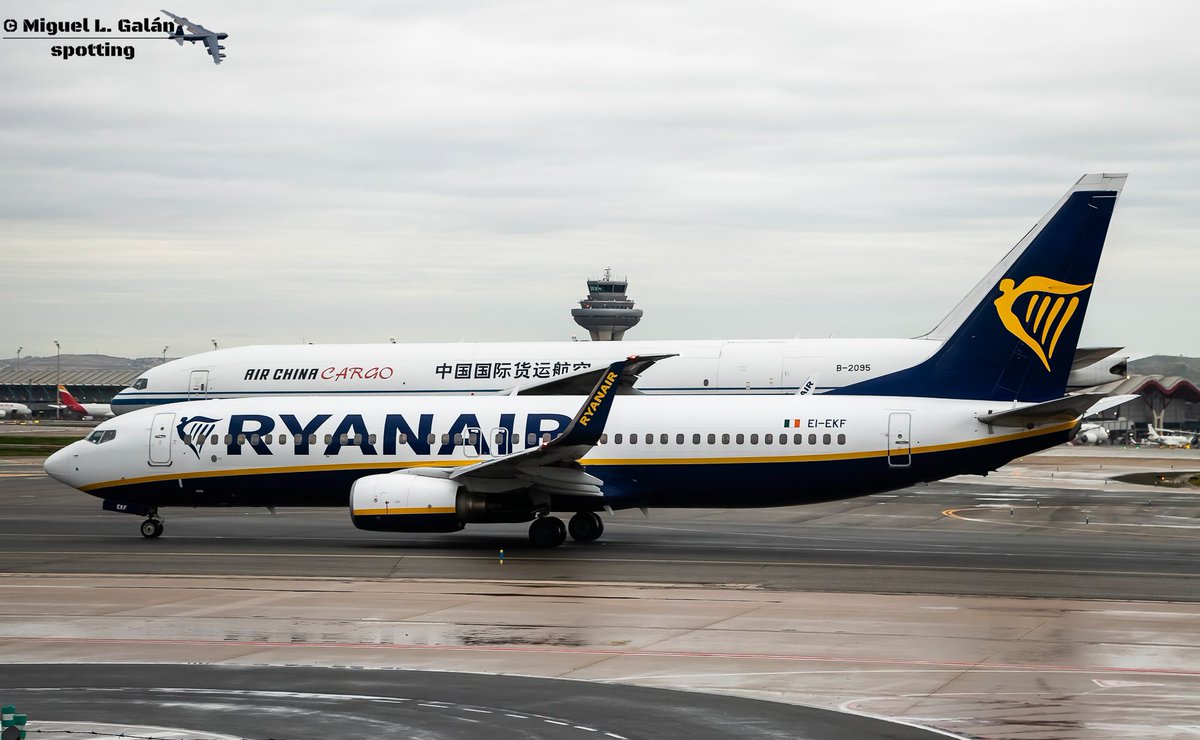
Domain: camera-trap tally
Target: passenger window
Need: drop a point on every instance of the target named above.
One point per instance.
(617, 438)
(255, 439)
(431, 439)
(228, 439)
(545, 437)
(241, 439)
(312, 439)
(724, 439)
(841, 439)
(649, 439)
(695, 439)
(603, 439)
(371, 439)
(282, 440)
(753, 439)
(741, 439)
(531, 440)
(783, 439)
(403, 438)
(706, 382)
(678, 439)
(826, 439)
(328, 439)
(712, 439)
(768, 439)
(633, 439)
(268, 439)
(812, 439)
(445, 438)
(214, 440)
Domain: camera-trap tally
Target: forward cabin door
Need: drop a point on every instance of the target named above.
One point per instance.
(750, 367)
(160, 439)
(899, 440)
(198, 385)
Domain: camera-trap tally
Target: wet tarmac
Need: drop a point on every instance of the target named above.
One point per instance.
(1044, 603)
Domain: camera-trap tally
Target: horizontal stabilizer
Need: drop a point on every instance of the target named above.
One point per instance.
(1067, 408)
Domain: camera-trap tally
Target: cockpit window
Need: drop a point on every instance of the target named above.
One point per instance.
(139, 384)
(99, 437)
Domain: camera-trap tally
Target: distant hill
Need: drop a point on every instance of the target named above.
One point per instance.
(1188, 367)
(83, 362)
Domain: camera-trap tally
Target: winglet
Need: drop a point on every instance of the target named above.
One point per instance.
(588, 424)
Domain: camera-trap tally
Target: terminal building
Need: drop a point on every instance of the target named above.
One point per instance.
(606, 312)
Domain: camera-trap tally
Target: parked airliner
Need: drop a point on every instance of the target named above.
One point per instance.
(779, 366)
(9, 410)
(93, 410)
(992, 391)
(1167, 438)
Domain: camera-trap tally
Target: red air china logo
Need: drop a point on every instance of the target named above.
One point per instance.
(332, 374)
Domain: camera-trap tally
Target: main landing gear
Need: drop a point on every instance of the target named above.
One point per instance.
(152, 527)
(548, 531)
(586, 526)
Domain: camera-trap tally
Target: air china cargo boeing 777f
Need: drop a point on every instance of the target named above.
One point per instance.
(993, 390)
(702, 367)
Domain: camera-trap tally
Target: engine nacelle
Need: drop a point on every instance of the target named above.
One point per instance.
(399, 502)
(1098, 373)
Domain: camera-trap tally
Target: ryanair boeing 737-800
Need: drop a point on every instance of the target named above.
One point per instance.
(702, 367)
(992, 391)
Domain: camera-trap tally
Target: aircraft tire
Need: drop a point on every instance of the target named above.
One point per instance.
(586, 526)
(152, 528)
(547, 531)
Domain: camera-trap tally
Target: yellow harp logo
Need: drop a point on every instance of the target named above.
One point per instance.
(1040, 321)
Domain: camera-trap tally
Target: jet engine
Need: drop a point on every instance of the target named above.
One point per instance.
(400, 502)
(1093, 435)
(407, 502)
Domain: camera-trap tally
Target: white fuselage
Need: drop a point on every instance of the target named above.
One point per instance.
(9, 410)
(657, 450)
(709, 367)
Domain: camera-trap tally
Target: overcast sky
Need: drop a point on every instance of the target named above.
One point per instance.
(442, 170)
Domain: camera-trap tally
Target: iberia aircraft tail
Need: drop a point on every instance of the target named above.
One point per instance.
(1013, 338)
(68, 401)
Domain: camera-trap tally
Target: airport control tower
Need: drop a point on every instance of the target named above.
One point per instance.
(606, 313)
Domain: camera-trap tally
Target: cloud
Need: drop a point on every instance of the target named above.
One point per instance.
(446, 170)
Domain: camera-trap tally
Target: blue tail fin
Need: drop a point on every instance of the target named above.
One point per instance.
(1013, 337)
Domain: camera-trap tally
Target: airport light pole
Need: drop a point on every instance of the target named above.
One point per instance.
(19, 358)
(165, 352)
(57, 376)
(214, 341)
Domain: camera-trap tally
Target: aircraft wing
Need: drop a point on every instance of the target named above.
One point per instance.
(214, 47)
(553, 465)
(193, 27)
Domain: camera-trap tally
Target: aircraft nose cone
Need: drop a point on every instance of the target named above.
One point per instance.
(59, 466)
